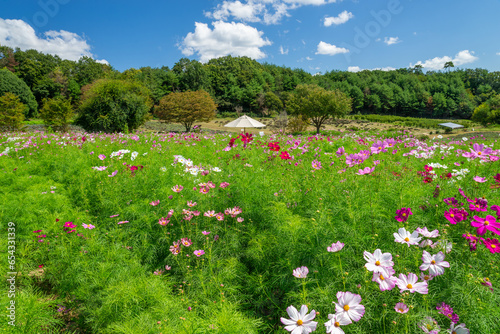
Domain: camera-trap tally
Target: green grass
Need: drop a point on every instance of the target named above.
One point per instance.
(243, 283)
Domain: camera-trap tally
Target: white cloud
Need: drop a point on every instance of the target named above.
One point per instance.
(358, 69)
(65, 44)
(309, 58)
(226, 38)
(245, 12)
(437, 63)
(283, 51)
(391, 40)
(309, 2)
(498, 53)
(340, 19)
(329, 49)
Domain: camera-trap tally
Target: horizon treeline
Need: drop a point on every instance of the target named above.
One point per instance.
(244, 85)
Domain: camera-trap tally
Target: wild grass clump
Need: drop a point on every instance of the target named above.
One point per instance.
(203, 233)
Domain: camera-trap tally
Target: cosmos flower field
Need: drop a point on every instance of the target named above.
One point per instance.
(373, 232)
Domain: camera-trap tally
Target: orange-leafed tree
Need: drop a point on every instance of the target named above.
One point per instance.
(186, 108)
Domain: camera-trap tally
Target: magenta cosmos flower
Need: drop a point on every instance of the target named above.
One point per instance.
(403, 214)
(401, 308)
(301, 272)
(177, 188)
(366, 171)
(199, 252)
(492, 244)
(455, 215)
(299, 322)
(405, 237)
(285, 156)
(334, 323)
(486, 224)
(410, 283)
(378, 262)
(316, 164)
(335, 247)
(479, 179)
(349, 307)
(435, 263)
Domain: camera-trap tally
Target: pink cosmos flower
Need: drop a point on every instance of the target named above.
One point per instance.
(186, 242)
(429, 325)
(434, 263)
(425, 243)
(455, 215)
(123, 222)
(209, 213)
(210, 184)
(333, 325)
(167, 267)
(219, 216)
(113, 174)
(163, 221)
(316, 164)
(205, 233)
(486, 224)
(492, 244)
(479, 179)
(102, 156)
(403, 214)
(409, 283)
(37, 231)
(365, 171)
(204, 190)
(224, 185)
(405, 237)
(401, 308)
(177, 188)
(89, 226)
(426, 277)
(378, 262)
(301, 272)
(155, 203)
(113, 216)
(425, 232)
(199, 252)
(349, 307)
(385, 282)
(299, 322)
(340, 152)
(335, 247)
(69, 225)
(240, 219)
(191, 204)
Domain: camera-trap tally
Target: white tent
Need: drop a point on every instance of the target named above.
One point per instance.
(245, 122)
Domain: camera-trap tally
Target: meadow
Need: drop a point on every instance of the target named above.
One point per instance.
(374, 232)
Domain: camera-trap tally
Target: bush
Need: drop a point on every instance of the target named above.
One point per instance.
(298, 124)
(11, 112)
(114, 106)
(56, 113)
(10, 83)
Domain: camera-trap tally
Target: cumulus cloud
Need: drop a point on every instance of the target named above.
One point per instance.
(339, 19)
(65, 44)
(283, 51)
(358, 69)
(391, 40)
(329, 49)
(264, 11)
(226, 38)
(437, 63)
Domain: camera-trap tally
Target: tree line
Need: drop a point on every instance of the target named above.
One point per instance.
(245, 85)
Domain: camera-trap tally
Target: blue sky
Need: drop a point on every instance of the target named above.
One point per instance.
(315, 35)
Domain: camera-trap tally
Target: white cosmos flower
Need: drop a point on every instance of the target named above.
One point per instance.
(378, 262)
(435, 263)
(405, 237)
(425, 232)
(299, 322)
(333, 325)
(349, 307)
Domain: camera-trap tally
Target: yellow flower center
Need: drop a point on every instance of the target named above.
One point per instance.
(493, 246)
(379, 148)
(429, 327)
(407, 239)
(452, 215)
(449, 316)
(486, 223)
(426, 277)
(401, 310)
(299, 322)
(433, 262)
(404, 214)
(377, 263)
(479, 153)
(346, 307)
(409, 286)
(382, 277)
(336, 324)
(453, 332)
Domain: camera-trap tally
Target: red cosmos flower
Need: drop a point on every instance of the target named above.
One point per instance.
(274, 146)
(133, 168)
(231, 142)
(285, 156)
(246, 139)
(84, 139)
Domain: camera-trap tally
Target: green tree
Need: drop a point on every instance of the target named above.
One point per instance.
(56, 113)
(11, 112)
(481, 114)
(10, 83)
(318, 104)
(186, 108)
(114, 105)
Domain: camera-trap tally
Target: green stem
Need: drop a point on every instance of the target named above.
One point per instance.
(304, 292)
(341, 271)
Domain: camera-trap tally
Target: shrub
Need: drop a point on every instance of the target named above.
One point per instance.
(298, 124)
(114, 105)
(11, 112)
(10, 83)
(56, 113)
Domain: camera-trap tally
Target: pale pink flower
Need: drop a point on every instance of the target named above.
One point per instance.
(405, 237)
(479, 179)
(434, 263)
(410, 283)
(209, 213)
(210, 184)
(299, 322)
(219, 216)
(186, 242)
(349, 307)
(335, 247)
(378, 262)
(123, 222)
(163, 221)
(365, 171)
(425, 232)
(113, 216)
(401, 308)
(191, 204)
(426, 277)
(224, 185)
(425, 243)
(204, 190)
(205, 233)
(113, 174)
(385, 282)
(167, 267)
(155, 203)
(102, 156)
(177, 188)
(240, 219)
(301, 272)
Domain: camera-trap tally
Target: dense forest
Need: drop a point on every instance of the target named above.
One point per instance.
(245, 85)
